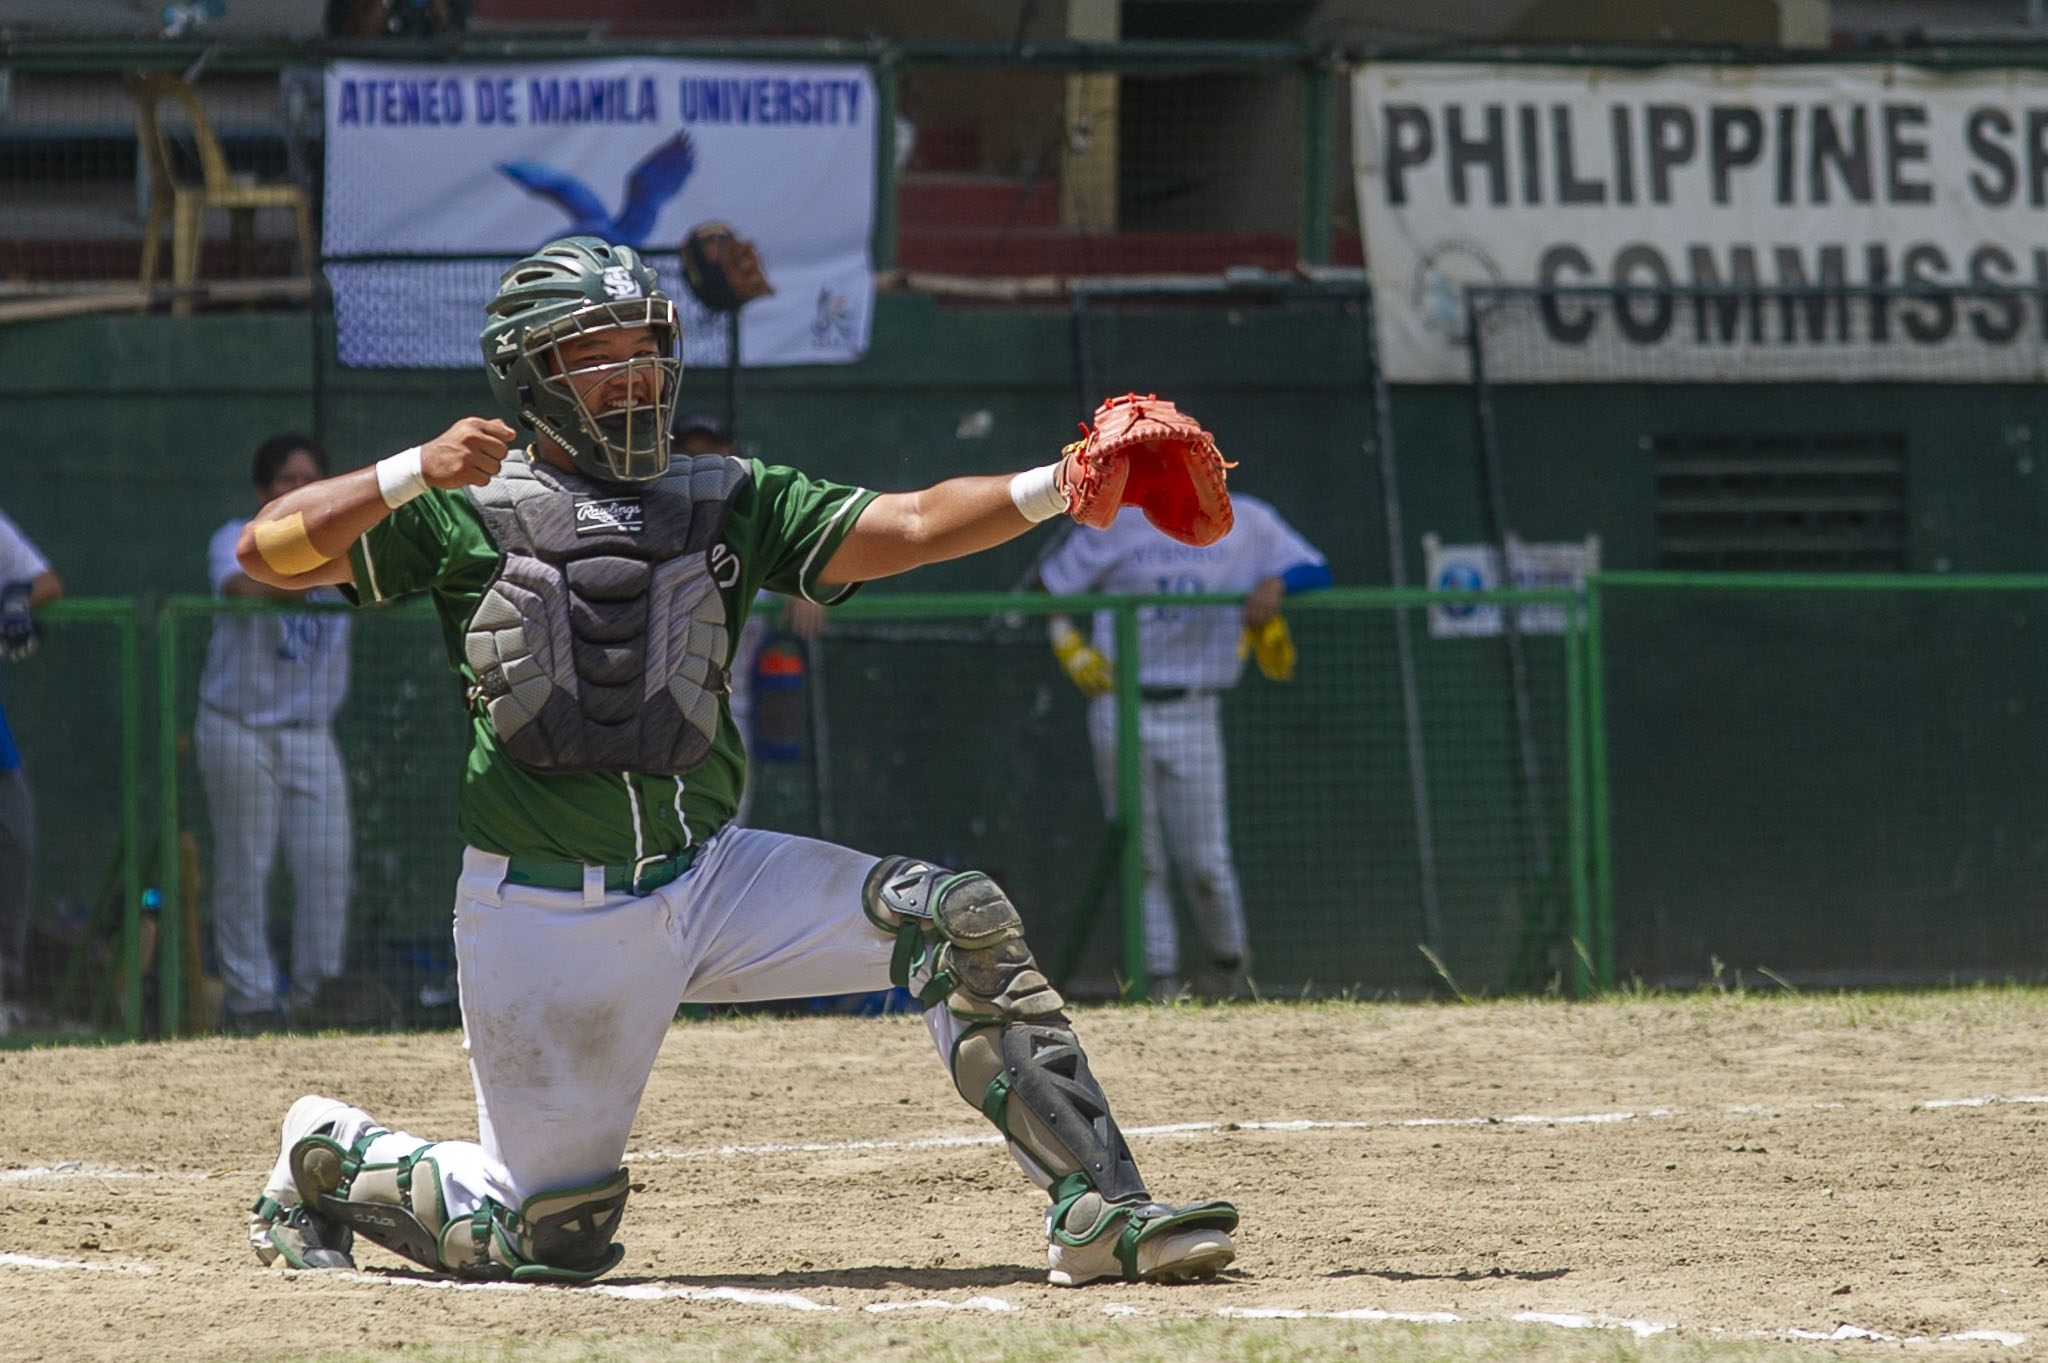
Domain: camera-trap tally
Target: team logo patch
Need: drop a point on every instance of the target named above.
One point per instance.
(609, 516)
(619, 282)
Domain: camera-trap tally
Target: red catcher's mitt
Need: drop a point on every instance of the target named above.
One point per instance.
(1147, 453)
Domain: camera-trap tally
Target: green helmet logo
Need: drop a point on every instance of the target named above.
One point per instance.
(606, 403)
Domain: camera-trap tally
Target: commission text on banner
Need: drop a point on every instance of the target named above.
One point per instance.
(1800, 180)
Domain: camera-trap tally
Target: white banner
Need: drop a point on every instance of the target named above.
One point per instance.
(1476, 568)
(437, 160)
(1807, 178)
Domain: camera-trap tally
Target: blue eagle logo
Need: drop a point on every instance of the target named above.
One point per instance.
(649, 187)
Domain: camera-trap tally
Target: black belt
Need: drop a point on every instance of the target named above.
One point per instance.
(1161, 694)
(643, 877)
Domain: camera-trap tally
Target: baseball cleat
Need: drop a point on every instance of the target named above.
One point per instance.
(301, 1237)
(1148, 1242)
(280, 1226)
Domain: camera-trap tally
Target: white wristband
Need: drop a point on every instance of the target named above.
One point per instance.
(1036, 493)
(399, 478)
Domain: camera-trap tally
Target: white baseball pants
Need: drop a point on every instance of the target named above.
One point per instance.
(1185, 820)
(566, 997)
(266, 788)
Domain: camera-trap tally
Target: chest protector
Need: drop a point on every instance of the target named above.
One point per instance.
(601, 643)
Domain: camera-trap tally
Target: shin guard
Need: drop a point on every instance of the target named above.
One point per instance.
(564, 1236)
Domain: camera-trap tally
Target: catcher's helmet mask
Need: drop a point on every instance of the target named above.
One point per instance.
(607, 416)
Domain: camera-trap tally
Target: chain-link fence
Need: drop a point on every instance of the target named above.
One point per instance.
(1826, 779)
(955, 736)
(98, 163)
(79, 939)
(318, 759)
(308, 763)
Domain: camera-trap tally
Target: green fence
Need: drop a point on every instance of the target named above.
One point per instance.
(1371, 816)
(75, 708)
(1818, 780)
(1827, 779)
(949, 732)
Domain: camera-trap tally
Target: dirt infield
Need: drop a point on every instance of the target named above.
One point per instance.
(1729, 1168)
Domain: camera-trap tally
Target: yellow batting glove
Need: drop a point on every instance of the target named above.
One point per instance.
(1087, 668)
(1272, 647)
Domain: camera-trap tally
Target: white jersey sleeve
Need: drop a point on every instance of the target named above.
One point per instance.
(1085, 557)
(1273, 546)
(20, 560)
(221, 563)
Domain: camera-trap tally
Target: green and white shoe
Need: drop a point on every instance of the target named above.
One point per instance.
(1088, 1238)
(280, 1225)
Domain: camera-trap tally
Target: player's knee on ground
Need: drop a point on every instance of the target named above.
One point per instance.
(562, 1236)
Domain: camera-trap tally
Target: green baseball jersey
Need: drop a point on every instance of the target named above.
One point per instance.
(781, 530)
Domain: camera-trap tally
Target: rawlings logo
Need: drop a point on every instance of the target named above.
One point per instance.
(609, 516)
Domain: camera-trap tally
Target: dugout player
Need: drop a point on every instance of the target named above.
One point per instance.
(27, 583)
(274, 779)
(590, 589)
(1189, 656)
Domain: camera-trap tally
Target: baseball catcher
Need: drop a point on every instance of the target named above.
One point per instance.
(591, 587)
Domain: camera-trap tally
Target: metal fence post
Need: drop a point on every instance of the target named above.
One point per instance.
(1602, 942)
(131, 816)
(1312, 246)
(1130, 804)
(1579, 966)
(170, 907)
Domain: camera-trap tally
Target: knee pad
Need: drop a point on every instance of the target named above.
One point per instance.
(564, 1236)
(964, 929)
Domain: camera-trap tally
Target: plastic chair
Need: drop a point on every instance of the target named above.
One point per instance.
(184, 202)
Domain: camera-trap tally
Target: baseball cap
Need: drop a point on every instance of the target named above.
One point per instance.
(701, 421)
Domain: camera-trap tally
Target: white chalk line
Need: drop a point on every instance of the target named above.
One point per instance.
(74, 1265)
(796, 1301)
(1173, 1129)
(646, 1292)
(77, 1169)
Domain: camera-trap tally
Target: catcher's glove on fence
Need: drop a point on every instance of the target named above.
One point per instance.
(1145, 452)
(722, 269)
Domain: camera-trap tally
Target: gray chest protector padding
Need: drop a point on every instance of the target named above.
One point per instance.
(603, 650)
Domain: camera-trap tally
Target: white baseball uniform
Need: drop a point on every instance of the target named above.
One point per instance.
(274, 777)
(1187, 659)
